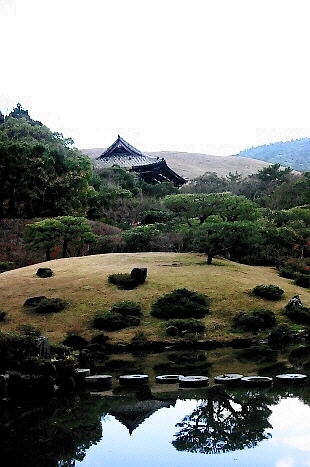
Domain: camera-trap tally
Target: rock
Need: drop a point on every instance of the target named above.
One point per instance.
(139, 275)
(294, 302)
(44, 272)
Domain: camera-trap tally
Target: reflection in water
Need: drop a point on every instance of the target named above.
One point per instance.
(56, 432)
(122, 430)
(161, 425)
(225, 422)
(133, 414)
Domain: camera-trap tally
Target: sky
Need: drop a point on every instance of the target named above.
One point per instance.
(205, 76)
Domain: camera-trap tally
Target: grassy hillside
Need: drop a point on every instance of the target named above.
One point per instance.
(83, 282)
(191, 165)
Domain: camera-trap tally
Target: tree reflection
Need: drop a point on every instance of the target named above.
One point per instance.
(58, 433)
(225, 422)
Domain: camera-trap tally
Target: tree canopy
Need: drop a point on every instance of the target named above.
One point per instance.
(63, 230)
(40, 174)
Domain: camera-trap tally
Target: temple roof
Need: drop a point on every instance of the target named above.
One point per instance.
(152, 169)
(123, 154)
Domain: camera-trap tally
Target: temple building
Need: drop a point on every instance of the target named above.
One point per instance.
(152, 169)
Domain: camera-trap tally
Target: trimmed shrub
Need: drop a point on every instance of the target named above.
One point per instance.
(270, 292)
(256, 320)
(100, 339)
(34, 301)
(126, 308)
(179, 304)
(123, 281)
(185, 326)
(280, 336)
(298, 314)
(111, 321)
(302, 280)
(76, 342)
(50, 305)
(132, 320)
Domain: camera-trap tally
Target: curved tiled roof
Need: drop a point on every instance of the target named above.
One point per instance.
(123, 154)
(152, 169)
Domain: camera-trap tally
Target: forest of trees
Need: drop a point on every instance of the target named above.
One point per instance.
(293, 153)
(53, 203)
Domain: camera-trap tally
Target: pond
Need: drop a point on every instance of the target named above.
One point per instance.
(160, 424)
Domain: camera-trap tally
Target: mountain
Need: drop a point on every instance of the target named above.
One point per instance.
(192, 165)
(294, 154)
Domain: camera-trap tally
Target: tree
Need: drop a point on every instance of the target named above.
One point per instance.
(209, 182)
(139, 238)
(63, 230)
(43, 235)
(278, 243)
(76, 232)
(267, 181)
(297, 220)
(214, 238)
(40, 174)
(226, 206)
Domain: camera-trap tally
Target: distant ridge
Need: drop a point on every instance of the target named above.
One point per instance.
(294, 154)
(192, 165)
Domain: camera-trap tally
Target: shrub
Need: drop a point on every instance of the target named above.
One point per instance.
(181, 303)
(34, 301)
(299, 314)
(111, 321)
(190, 340)
(100, 339)
(123, 281)
(302, 280)
(139, 339)
(6, 266)
(15, 349)
(132, 320)
(270, 292)
(43, 305)
(50, 305)
(126, 308)
(280, 336)
(287, 272)
(29, 330)
(294, 266)
(255, 320)
(76, 342)
(186, 325)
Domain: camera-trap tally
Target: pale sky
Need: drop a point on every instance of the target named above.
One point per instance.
(209, 76)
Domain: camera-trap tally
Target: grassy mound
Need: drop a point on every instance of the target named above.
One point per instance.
(82, 282)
